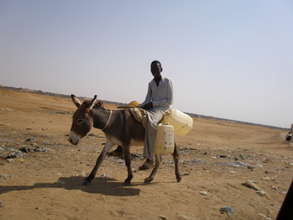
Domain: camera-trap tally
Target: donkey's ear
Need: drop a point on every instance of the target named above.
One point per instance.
(75, 100)
(93, 102)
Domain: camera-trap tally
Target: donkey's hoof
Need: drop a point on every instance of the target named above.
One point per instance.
(148, 180)
(178, 178)
(127, 182)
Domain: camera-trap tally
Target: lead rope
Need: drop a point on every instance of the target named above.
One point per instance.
(107, 123)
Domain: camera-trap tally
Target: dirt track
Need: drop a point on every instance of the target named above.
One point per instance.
(216, 158)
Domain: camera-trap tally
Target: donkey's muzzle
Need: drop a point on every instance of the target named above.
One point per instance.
(73, 138)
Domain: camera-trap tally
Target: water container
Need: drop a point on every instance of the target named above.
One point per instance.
(182, 122)
(164, 142)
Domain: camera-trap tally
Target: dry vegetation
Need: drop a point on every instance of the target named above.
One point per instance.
(216, 158)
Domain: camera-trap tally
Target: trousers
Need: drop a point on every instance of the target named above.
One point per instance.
(154, 116)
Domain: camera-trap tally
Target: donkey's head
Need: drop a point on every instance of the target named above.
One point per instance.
(82, 120)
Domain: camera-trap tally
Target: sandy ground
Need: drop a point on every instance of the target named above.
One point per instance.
(215, 159)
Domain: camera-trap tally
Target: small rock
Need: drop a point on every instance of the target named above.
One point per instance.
(118, 213)
(239, 164)
(40, 149)
(14, 154)
(134, 170)
(264, 216)
(103, 175)
(191, 162)
(28, 139)
(4, 176)
(241, 156)
(10, 160)
(266, 160)
(162, 217)
(275, 188)
(228, 210)
(259, 165)
(120, 161)
(223, 156)
(261, 192)
(251, 185)
(233, 164)
(203, 193)
(182, 217)
(250, 167)
(25, 149)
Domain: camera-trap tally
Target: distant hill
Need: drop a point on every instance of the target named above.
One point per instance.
(119, 103)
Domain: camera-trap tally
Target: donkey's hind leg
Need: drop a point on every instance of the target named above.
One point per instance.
(176, 161)
(149, 179)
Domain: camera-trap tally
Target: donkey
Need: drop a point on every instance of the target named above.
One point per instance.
(119, 127)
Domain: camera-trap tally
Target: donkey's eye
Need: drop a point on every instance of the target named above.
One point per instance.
(79, 121)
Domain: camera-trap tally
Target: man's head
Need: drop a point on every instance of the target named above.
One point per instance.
(156, 68)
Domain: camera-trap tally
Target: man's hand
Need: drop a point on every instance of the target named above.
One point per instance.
(147, 106)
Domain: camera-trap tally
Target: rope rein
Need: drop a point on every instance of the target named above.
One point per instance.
(108, 121)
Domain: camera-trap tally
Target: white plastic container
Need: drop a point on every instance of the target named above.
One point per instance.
(164, 143)
(182, 122)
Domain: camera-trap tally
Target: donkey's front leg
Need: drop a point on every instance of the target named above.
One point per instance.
(154, 171)
(127, 158)
(100, 159)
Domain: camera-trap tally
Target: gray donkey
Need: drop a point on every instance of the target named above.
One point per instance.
(120, 128)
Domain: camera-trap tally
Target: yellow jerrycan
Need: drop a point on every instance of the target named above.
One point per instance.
(182, 122)
(164, 142)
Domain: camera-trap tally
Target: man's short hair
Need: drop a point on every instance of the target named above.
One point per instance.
(156, 62)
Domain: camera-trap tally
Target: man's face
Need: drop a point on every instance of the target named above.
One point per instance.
(156, 69)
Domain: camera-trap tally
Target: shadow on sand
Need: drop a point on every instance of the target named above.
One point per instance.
(101, 185)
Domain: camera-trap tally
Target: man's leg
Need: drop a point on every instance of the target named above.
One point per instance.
(150, 136)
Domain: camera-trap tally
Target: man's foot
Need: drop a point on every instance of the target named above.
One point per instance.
(118, 152)
(147, 165)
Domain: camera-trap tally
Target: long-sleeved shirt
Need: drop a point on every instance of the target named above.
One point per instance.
(160, 95)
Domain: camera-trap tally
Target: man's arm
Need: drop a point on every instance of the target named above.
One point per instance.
(148, 98)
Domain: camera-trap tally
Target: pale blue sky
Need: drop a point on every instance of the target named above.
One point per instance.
(230, 59)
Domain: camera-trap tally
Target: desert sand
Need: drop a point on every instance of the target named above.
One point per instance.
(216, 158)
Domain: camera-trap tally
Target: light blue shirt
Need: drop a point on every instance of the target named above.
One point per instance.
(161, 96)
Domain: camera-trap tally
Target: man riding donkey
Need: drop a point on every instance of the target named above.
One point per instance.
(158, 100)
